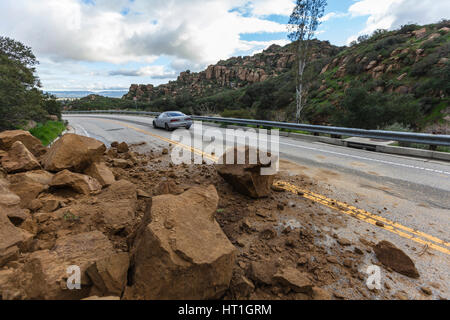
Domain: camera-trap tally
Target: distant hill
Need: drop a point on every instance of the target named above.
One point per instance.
(82, 94)
(398, 80)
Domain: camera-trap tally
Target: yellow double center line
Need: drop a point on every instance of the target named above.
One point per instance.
(373, 219)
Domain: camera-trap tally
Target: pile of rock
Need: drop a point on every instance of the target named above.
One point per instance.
(63, 206)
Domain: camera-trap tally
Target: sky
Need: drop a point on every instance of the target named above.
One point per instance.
(110, 44)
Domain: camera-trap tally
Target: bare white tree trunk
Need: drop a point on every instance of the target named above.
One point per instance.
(301, 69)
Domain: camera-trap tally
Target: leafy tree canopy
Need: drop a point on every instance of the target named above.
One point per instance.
(21, 99)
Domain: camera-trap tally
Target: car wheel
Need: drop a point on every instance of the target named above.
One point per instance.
(188, 127)
(154, 124)
(167, 127)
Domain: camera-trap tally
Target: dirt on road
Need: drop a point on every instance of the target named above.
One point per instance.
(135, 224)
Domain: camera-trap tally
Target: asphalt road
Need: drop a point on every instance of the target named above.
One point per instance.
(412, 192)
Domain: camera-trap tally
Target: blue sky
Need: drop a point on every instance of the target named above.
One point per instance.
(110, 44)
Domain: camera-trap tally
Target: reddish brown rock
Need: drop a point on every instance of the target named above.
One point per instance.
(123, 147)
(44, 275)
(168, 187)
(28, 186)
(262, 272)
(7, 198)
(78, 182)
(12, 240)
(294, 279)
(7, 139)
(101, 172)
(109, 274)
(241, 287)
(19, 159)
(245, 178)
(321, 294)
(420, 33)
(168, 252)
(121, 163)
(117, 206)
(394, 258)
(73, 152)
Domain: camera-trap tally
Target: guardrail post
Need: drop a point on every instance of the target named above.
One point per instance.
(433, 147)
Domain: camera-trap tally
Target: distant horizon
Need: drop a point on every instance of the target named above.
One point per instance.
(61, 94)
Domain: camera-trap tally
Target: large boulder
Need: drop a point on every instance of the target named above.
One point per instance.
(38, 176)
(12, 240)
(7, 139)
(7, 198)
(29, 185)
(44, 275)
(394, 258)
(246, 177)
(19, 159)
(117, 206)
(113, 212)
(73, 152)
(101, 172)
(109, 275)
(10, 204)
(180, 251)
(78, 182)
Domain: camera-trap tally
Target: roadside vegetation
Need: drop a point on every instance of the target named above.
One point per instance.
(390, 77)
(48, 131)
(23, 105)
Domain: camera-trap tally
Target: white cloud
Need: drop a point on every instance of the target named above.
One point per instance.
(197, 30)
(71, 36)
(155, 72)
(390, 14)
(268, 7)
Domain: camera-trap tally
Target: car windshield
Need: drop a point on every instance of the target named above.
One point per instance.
(175, 114)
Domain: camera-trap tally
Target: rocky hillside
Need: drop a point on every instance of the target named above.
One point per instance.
(234, 73)
(397, 80)
(404, 71)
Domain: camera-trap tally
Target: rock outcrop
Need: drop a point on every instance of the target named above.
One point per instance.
(234, 73)
(172, 261)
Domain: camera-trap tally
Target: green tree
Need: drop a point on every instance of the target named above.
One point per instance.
(21, 99)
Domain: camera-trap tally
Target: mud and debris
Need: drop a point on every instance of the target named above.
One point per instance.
(135, 223)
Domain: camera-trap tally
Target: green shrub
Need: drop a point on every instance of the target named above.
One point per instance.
(408, 28)
(422, 67)
(48, 132)
(239, 114)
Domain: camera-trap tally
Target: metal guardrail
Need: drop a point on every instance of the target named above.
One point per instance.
(410, 137)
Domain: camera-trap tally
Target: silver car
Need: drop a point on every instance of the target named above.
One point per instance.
(172, 120)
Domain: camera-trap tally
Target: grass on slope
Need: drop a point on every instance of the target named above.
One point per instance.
(48, 132)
